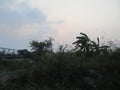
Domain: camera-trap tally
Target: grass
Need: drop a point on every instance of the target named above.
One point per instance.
(64, 71)
(11, 65)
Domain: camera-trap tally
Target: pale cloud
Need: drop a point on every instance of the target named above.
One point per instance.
(21, 23)
(27, 30)
(11, 4)
(65, 18)
(90, 16)
(27, 16)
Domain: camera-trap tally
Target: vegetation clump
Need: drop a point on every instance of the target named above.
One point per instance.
(89, 66)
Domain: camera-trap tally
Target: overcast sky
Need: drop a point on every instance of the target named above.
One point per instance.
(24, 20)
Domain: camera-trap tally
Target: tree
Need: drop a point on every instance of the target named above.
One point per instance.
(40, 48)
(24, 53)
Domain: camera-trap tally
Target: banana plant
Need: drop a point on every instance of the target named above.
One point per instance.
(100, 49)
(84, 44)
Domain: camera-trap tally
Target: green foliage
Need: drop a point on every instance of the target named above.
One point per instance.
(89, 47)
(67, 71)
(24, 53)
(64, 69)
(39, 49)
(82, 42)
(12, 65)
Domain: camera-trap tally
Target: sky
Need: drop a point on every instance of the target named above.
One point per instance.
(22, 21)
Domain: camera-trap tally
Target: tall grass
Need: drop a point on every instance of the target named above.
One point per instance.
(65, 70)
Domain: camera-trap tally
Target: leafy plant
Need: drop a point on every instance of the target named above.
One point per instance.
(41, 47)
(82, 43)
(86, 45)
(23, 53)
